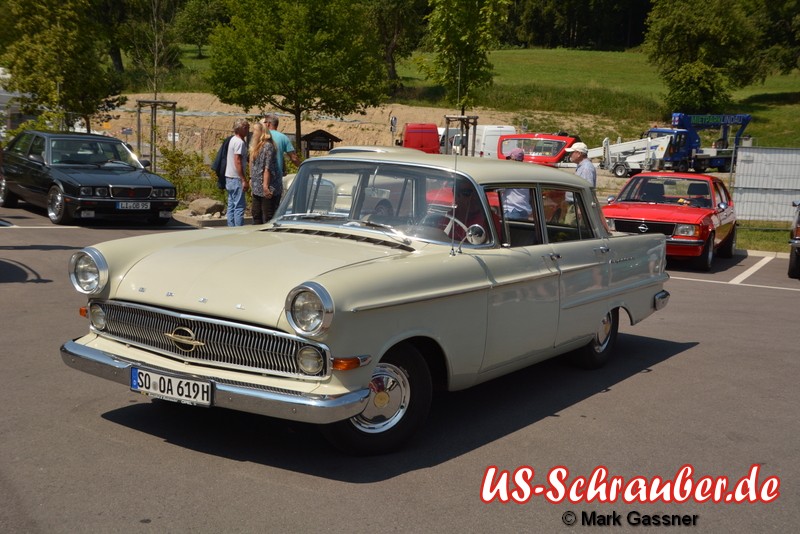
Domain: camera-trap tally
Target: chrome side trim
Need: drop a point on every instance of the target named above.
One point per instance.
(295, 406)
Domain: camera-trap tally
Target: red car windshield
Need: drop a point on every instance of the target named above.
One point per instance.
(667, 190)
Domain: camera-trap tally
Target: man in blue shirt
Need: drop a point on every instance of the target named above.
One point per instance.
(283, 145)
(579, 153)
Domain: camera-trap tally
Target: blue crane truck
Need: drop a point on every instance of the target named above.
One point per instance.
(685, 152)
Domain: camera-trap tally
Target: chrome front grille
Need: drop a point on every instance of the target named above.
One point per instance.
(130, 192)
(206, 340)
(644, 227)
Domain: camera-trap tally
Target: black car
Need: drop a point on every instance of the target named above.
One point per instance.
(794, 240)
(82, 176)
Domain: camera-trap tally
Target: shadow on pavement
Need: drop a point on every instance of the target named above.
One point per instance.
(459, 422)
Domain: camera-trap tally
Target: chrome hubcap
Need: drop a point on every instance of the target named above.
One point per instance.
(56, 205)
(389, 394)
(603, 333)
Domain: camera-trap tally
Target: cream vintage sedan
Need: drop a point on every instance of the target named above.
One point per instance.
(381, 278)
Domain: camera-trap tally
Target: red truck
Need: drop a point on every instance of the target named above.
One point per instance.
(542, 148)
(422, 136)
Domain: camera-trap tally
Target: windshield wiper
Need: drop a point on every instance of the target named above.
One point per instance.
(119, 162)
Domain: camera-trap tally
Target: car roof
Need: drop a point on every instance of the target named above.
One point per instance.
(371, 148)
(74, 135)
(485, 171)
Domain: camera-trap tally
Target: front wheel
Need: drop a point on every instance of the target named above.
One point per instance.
(56, 207)
(595, 354)
(400, 398)
(620, 170)
(706, 258)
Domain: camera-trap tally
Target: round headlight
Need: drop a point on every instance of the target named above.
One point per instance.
(97, 316)
(309, 309)
(88, 271)
(310, 360)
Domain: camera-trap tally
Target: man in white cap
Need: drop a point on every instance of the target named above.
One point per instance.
(579, 153)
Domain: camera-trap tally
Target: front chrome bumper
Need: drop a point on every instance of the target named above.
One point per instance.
(295, 406)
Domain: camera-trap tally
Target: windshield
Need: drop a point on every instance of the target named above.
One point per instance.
(533, 147)
(96, 152)
(413, 201)
(667, 190)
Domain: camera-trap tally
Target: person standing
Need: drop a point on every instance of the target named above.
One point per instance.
(283, 146)
(235, 177)
(265, 186)
(579, 153)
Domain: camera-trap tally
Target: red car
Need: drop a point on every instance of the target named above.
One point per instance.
(541, 148)
(694, 211)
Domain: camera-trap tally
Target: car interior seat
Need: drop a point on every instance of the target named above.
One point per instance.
(700, 194)
(653, 192)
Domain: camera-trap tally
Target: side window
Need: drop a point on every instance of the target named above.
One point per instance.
(22, 144)
(520, 216)
(565, 216)
(37, 146)
(722, 194)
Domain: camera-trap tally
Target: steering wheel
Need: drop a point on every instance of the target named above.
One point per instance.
(435, 220)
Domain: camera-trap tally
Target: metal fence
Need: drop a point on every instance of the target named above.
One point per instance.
(766, 182)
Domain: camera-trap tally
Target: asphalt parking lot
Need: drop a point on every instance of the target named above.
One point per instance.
(709, 382)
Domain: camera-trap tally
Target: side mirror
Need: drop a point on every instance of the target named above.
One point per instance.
(37, 158)
(145, 162)
(476, 235)
(610, 199)
(722, 206)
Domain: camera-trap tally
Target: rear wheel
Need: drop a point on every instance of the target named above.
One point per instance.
(620, 170)
(56, 207)
(7, 198)
(683, 166)
(729, 246)
(706, 258)
(398, 404)
(794, 263)
(598, 351)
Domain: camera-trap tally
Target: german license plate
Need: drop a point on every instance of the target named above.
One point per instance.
(133, 205)
(171, 388)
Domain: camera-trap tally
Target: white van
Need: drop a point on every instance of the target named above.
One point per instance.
(487, 137)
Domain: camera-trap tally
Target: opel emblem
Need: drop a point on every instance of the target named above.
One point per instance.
(643, 228)
(184, 339)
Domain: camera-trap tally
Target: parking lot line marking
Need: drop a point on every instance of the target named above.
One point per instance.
(759, 286)
(742, 277)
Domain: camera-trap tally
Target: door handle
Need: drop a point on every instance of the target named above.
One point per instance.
(555, 256)
(603, 249)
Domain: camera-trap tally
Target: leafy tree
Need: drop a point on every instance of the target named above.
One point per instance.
(598, 25)
(703, 50)
(197, 19)
(148, 37)
(398, 29)
(461, 35)
(297, 57)
(781, 38)
(58, 60)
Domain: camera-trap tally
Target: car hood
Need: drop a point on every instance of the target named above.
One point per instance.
(656, 212)
(108, 175)
(244, 275)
